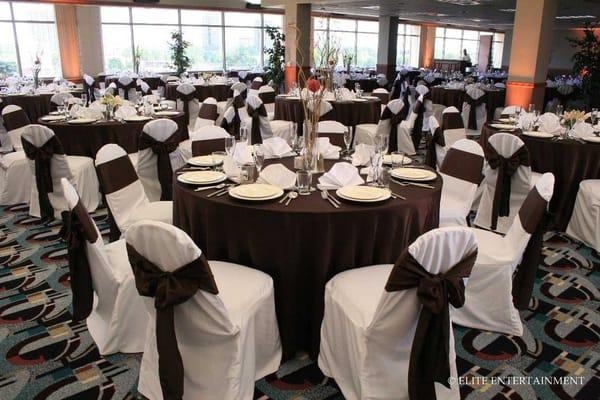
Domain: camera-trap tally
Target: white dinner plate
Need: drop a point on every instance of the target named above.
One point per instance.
(387, 159)
(53, 118)
(166, 113)
(360, 100)
(205, 161)
(135, 118)
(414, 174)
(371, 97)
(293, 98)
(504, 127)
(592, 139)
(504, 120)
(78, 121)
(201, 177)
(537, 134)
(55, 113)
(256, 192)
(363, 194)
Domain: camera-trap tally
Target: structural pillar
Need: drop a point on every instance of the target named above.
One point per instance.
(427, 45)
(298, 36)
(530, 52)
(68, 41)
(387, 47)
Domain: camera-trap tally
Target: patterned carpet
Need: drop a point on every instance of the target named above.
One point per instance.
(44, 355)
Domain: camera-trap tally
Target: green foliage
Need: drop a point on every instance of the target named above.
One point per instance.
(276, 57)
(586, 63)
(181, 62)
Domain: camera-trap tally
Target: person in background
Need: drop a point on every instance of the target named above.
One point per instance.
(466, 56)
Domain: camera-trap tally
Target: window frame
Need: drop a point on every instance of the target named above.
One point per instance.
(404, 37)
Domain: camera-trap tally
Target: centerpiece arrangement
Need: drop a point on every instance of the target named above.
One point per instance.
(111, 103)
(570, 118)
(35, 70)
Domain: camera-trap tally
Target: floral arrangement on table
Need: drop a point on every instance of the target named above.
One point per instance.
(347, 58)
(586, 63)
(37, 67)
(572, 117)
(111, 103)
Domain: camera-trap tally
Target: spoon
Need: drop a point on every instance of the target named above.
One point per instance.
(219, 186)
(291, 197)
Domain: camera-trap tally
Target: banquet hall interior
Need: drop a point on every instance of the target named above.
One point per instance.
(293, 199)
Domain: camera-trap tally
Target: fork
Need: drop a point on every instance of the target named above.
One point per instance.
(333, 198)
(421, 185)
(325, 197)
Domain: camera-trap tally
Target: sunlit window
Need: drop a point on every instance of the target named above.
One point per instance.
(450, 44)
(409, 45)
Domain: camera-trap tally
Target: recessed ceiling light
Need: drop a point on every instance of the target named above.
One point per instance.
(371, 7)
(462, 2)
(576, 17)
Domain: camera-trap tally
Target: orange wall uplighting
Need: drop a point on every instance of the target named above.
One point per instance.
(524, 93)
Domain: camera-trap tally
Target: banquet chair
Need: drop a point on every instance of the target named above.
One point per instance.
(124, 193)
(503, 152)
(474, 101)
(391, 125)
(443, 136)
(102, 283)
(47, 200)
(158, 157)
(369, 335)
(267, 95)
(60, 99)
(489, 303)
(144, 87)
(258, 125)
(188, 103)
(255, 86)
(15, 178)
(127, 86)
(212, 138)
(15, 119)
(461, 173)
(584, 224)
(223, 334)
(238, 91)
(207, 115)
(333, 130)
(91, 88)
(383, 95)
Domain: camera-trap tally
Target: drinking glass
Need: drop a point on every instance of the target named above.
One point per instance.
(259, 157)
(559, 110)
(217, 159)
(347, 143)
(397, 159)
(230, 145)
(375, 163)
(531, 108)
(594, 116)
(384, 178)
(247, 173)
(84, 99)
(303, 178)
(243, 134)
(382, 142)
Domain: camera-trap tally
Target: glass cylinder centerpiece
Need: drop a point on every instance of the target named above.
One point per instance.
(570, 118)
(110, 103)
(35, 70)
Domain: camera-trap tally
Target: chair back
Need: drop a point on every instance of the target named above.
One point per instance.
(208, 113)
(474, 109)
(60, 99)
(257, 122)
(127, 86)
(207, 140)
(188, 102)
(382, 94)
(14, 117)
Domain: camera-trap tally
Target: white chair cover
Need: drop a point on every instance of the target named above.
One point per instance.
(118, 316)
(367, 332)
(60, 98)
(205, 133)
(227, 341)
(207, 114)
(585, 219)
(267, 95)
(480, 112)
(193, 104)
(15, 129)
(15, 178)
(255, 103)
(131, 93)
(451, 135)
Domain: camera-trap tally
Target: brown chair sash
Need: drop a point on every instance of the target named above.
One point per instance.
(169, 289)
(436, 139)
(417, 132)
(207, 147)
(116, 174)
(208, 111)
(239, 102)
(384, 97)
(397, 89)
(336, 139)
(474, 103)
(255, 114)
(256, 85)
(126, 88)
(42, 157)
(78, 228)
(185, 99)
(89, 90)
(463, 165)
(395, 120)
(15, 120)
(163, 162)
(429, 356)
(452, 120)
(506, 169)
(267, 97)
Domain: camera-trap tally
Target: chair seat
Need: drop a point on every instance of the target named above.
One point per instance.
(365, 133)
(78, 163)
(15, 178)
(156, 211)
(493, 250)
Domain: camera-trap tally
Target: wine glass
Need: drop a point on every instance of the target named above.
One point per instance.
(243, 134)
(559, 110)
(230, 145)
(382, 142)
(594, 116)
(259, 157)
(531, 108)
(347, 143)
(84, 99)
(375, 163)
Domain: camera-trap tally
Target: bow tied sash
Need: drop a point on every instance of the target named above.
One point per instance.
(506, 169)
(429, 356)
(255, 114)
(186, 98)
(208, 111)
(42, 157)
(169, 289)
(126, 88)
(436, 139)
(163, 163)
(395, 120)
(77, 229)
(474, 103)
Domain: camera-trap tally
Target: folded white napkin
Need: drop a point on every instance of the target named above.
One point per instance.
(362, 154)
(96, 105)
(231, 169)
(346, 94)
(89, 113)
(74, 110)
(242, 153)
(125, 111)
(275, 147)
(278, 175)
(550, 123)
(582, 129)
(525, 120)
(327, 150)
(340, 175)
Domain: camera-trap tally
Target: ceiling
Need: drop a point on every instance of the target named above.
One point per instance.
(490, 14)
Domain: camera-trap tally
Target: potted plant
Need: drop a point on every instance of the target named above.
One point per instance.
(586, 63)
(178, 46)
(276, 58)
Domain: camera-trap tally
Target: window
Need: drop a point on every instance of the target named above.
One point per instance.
(409, 45)
(497, 50)
(218, 40)
(28, 30)
(450, 43)
(352, 36)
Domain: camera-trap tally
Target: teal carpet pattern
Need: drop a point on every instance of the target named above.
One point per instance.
(44, 355)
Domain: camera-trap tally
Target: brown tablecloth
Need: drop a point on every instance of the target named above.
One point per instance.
(367, 85)
(349, 113)
(87, 139)
(304, 245)
(219, 92)
(35, 106)
(154, 82)
(456, 97)
(569, 160)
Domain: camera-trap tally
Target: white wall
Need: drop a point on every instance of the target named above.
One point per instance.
(90, 39)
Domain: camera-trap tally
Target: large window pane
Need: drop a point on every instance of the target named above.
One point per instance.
(413, 30)
(368, 26)
(242, 19)
(345, 42)
(8, 53)
(33, 12)
(320, 41)
(39, 39)
(440, 32)
(366, 52)
(471, 35)
(242, 47)
(205, 49)
(116, 40)
(5, 11)
(200, 17)
(338, 24)
(275, 20)
(153, 42)
(154, 15)
(114, 14)
(453, 33)
(472, 47)
(320, 23)
(452, 49)
(439, 48)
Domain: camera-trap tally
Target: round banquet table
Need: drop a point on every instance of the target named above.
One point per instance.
(455, 97)
(569, 160)
(304, 245)
(87, 139)
(153, 81)
(367, 85)
(219, 92)
(34, 105)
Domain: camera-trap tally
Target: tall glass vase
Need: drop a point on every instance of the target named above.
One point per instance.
(313, 161)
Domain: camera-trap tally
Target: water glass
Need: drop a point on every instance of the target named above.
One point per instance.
(303, 181)
(559, 110)
(376, 158)
(84, 99)
(382, 142)
(531, 108)
(259, 157)
(244, 134)
(230, 145)
(347, 143)
(384, 178)
(594, 116)
(397, 159)
(247, 173)
(217, 159)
